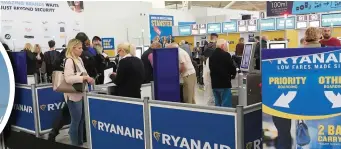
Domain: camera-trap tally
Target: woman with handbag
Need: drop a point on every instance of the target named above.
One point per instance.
(76, 75)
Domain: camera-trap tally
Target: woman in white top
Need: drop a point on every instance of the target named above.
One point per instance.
(75, 100)
(208, 94)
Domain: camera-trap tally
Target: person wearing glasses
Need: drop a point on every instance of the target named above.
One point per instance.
(130, 72)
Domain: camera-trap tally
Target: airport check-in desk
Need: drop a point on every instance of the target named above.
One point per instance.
(249, 91)
(109, 89)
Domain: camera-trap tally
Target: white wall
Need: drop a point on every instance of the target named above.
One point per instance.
(231, 13)
(179, 15)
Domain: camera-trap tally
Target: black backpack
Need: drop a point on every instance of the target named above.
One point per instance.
(52, 61)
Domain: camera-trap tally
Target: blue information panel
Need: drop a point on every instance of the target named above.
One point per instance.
(22, 114)
(333, 19)
(252, 130)
(184, 30)
(50, 106)
(304, 84)
(267, 24)
(108, 43)
(230, 27)
(176, 128)
(116, 124)
(290, 23)
(214, 28)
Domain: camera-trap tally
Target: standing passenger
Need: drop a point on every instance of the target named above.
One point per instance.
(75, 100)
(222, 71)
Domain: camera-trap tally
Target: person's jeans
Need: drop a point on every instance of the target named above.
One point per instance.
(77, 122)
(223, 97)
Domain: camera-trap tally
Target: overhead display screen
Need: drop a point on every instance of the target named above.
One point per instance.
(230, 27)
(290, 23)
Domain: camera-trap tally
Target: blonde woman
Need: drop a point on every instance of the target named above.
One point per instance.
(30, 59)
(130, 72)
(39, 56)
(75, 100)
(312, 37)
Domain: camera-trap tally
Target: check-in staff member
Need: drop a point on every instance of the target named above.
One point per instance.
(130, 72)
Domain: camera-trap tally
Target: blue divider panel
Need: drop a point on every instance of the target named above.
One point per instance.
(253, 129)
(50, 106)
(116, 124)
(22, 114)
(166, 74)
(174, 129)
(18, 60)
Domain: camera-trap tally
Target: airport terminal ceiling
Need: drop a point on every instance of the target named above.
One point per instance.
(241, 5)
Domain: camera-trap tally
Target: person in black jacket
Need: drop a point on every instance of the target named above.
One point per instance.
(222, 71)
(40, 58)
(30, 59)
(130, 73)
(102, 59)
(51, 60)
(87, 58)
(257, 54)
(147, 59)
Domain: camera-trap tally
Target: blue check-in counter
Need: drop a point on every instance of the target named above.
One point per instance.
(124, 123)
(35, 108)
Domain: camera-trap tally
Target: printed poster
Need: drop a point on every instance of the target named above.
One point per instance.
(160, 25)
(301, 98)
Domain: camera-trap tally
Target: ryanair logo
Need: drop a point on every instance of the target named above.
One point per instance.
(22, 108)
(118, 130)
(52, 107)
(182, 142)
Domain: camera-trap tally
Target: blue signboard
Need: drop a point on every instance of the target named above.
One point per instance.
(166, 74)
(214, 28)
(50, 104)
(112, 126)
(280, 8)
(176, 128)
(229, 27)
(305, 85)
(301, 77)
(253, 136)
(333, 19)
(22, 114)
(108, 43)
(185, 23)
(18, 60)
(184, 30)
(267, 24)
(160, 25)
(290, 23)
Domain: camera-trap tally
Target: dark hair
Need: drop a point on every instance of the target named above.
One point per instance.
(96, 38)
(63, 45)
(82, 37)
(80, 4)
(214, 34)
(186, 42)
(257, 38)
(52, 43)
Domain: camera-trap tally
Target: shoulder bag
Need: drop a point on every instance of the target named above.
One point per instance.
(60, 85)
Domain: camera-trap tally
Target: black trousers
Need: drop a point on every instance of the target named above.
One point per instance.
(284, 140)
(63, 120)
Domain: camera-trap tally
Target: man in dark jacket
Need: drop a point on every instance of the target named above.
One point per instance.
(147, 61)
(87, 58)
(258, 47)
(222, 71)
(51, 60)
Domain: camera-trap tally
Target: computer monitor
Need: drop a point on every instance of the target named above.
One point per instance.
(247, 57)
(139, 52)
(145, 48)
(277, 44)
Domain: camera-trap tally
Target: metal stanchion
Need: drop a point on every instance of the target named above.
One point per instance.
(240, 126)
(146, 122)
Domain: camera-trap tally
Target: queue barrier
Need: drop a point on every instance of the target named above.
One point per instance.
(122, 123)
(35, 108)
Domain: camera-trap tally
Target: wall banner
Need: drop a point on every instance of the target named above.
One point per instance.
(109, 46)
(305, 87)
(160, 25)
(278, 8)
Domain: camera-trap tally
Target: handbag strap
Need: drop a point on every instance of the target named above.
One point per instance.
(74, 65)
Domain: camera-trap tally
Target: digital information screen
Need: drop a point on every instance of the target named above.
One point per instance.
(246, 57)
(277, 45)
(139, 52)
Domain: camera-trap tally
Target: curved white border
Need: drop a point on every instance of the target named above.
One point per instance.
(11, 88)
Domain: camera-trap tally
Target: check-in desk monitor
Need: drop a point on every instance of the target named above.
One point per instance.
(277, 44)
(247, 57)
(145, 48)
(139, 52)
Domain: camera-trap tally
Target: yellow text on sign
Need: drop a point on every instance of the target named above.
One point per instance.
(287, 80)
(333, 133)
(162, 23)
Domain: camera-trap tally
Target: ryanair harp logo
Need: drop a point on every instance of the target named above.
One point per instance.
(42, 107)
(157, 136)
(94, 123)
